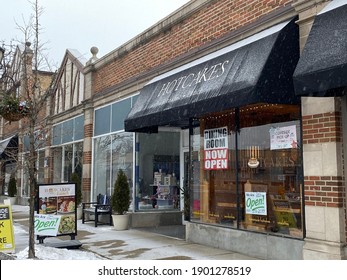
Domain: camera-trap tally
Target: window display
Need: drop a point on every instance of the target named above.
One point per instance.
(246, 169)
(158, 167)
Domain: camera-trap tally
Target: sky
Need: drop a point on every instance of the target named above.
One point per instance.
(82, 24)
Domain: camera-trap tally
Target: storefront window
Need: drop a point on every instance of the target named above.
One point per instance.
(111, 153)
(157, 185)
(122, 156)
(113, 149)
(67, 162)
(67, 159)
(247, 169)
(68, 154)
(102, 166)
(214, 195)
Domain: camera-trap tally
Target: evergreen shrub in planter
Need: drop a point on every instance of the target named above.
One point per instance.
(120, 202)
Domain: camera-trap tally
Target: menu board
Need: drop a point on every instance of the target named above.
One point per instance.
(60, 200)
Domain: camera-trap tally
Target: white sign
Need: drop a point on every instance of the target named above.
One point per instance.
(216, 148)
(46, 225)
(256, 203)
(57, 190)
(283, 137)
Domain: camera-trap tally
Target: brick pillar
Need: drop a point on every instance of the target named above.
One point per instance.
(324, 178)
(87, 151)
(88, 125)
(324, 184)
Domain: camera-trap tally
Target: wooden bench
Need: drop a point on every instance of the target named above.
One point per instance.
(100, 207)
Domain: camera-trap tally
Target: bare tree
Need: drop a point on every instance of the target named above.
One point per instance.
(29, 97)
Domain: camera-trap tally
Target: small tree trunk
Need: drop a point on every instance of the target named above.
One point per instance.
(31, 161)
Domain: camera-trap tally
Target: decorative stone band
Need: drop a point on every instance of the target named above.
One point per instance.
(326, 191)
(322, 128)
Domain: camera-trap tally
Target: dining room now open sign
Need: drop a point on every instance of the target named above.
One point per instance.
(216, 148)
(6, 229)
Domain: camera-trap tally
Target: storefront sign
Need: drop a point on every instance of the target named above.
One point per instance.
(56, 207)
(6, 229)
(256, 203)
(216, 148)
(203, 75)
(283, 137)
(46, 225)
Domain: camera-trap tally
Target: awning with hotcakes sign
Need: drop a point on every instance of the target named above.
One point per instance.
(257, 69)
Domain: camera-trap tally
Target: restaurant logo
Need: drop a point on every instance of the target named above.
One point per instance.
(192, 79)
(216, 148)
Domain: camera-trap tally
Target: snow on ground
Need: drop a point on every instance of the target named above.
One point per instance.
(50, 253)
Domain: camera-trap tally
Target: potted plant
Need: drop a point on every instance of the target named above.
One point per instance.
(75, 178)
(12, 189)
(120, 202)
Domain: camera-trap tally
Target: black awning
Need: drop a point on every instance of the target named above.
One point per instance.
(322, 67)
(257, 69)
(9, 147)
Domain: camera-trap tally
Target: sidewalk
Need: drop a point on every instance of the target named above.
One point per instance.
(132, 244)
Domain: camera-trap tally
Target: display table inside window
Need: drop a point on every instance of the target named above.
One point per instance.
(162, 196)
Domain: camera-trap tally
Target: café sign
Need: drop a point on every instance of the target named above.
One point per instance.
(216, 148)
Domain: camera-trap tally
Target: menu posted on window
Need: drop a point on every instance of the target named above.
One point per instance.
(216, 148)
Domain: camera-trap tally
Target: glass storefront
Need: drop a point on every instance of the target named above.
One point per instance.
(67, 159)
(158, 168)
(111, 153)
(67, 153)
(246, 169)
(112, 147)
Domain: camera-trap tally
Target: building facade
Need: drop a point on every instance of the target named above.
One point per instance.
(209, 116)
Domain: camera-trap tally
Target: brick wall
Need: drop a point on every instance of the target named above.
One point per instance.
(324, 191)
(320, 128)
(211, 22)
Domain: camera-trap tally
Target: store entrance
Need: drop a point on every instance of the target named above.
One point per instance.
(158, 164)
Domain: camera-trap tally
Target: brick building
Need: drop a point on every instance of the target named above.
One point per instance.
(217, 102)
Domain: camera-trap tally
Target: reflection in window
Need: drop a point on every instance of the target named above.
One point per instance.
(111, 153)
(102, 165)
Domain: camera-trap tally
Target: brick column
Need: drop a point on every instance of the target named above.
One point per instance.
(88, 126)
(87, 151)
(324, 184)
